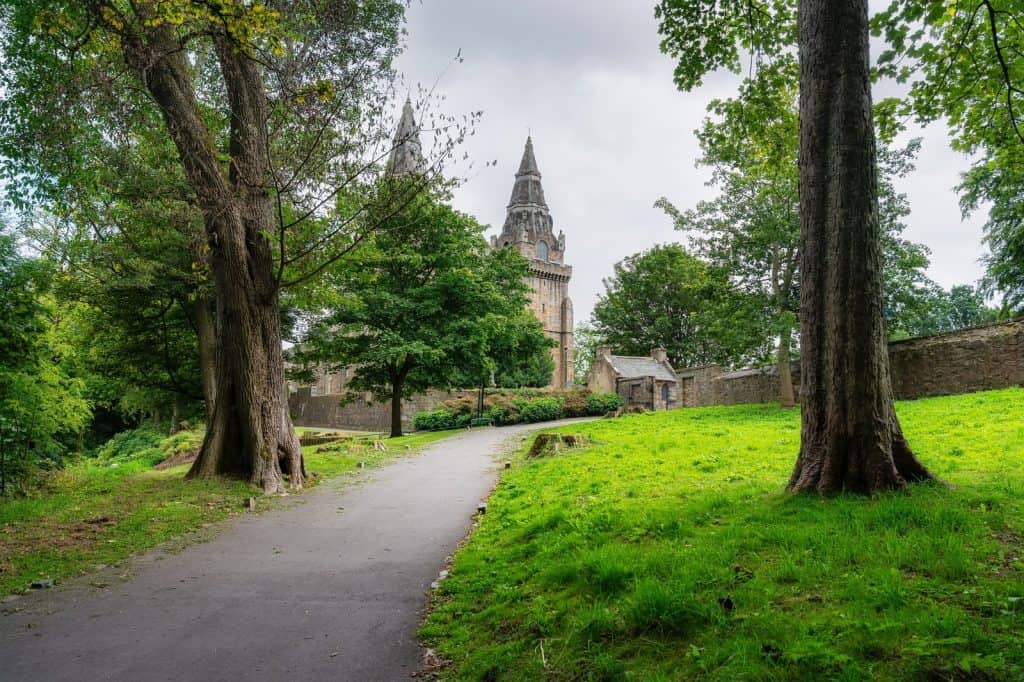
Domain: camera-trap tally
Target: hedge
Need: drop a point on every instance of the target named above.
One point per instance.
(514, 407)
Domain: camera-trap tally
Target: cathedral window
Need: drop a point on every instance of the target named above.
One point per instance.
(542, 250)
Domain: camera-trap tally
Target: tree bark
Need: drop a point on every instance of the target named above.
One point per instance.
(203, 314)
(249, 431)
(786, 395)
(397, 385)
(850, 437)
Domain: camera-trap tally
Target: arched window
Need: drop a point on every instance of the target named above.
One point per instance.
(664, 393)
(542, 250)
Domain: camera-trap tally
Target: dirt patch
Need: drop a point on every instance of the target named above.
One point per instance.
(1010, 563)
(45, 533)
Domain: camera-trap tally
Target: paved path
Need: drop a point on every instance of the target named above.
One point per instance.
(331, 588)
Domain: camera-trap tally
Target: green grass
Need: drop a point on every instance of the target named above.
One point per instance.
(101, 511)
(668, 550)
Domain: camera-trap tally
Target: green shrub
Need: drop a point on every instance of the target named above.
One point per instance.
(576, 403)
(435, 420)
(142, 443)
(602, 403)
(501, 416)
(542, 410)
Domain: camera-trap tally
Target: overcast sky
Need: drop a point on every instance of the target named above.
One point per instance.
(611, 132)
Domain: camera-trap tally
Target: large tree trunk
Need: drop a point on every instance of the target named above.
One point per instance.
(249, 433)
(396, 407)
(850, 437)
(786, 395)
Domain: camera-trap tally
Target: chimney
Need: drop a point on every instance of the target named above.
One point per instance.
(659, 354)
(603, 352)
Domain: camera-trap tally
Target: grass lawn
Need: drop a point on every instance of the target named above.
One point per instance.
(668, 550)
(103, 511)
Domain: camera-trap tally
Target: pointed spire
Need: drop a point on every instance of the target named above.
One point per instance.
(407, 152)
(528, 190)
(529, 162)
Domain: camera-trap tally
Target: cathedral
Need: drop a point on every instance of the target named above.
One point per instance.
(529, 228)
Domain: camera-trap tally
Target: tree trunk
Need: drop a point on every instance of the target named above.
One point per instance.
(175, 415)
(249, 432)
(786, 396)
(203, 314)
(850, 437)
(396, 407)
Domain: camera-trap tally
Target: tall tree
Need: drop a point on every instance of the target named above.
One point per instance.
(850, 436)
(424, 303)
(752, 228)
(267, 106)
(664, 297)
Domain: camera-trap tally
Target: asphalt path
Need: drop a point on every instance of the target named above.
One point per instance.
(332, 587)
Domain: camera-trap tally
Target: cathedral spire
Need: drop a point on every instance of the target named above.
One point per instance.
(528, 190)
(407, 152)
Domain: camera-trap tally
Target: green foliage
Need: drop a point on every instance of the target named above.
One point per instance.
(751, 230)
(434, 420)
(936, 310)
(708, 35)
(42, 408)
(147, 446)
(963, 65)
(585, 343)
(541, 410)
(664, 297)
(505, 407)
(602, 403)
(668, 550)
(521, 355)
(426, 303)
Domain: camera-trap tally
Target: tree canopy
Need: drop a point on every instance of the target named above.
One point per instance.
(665, 297)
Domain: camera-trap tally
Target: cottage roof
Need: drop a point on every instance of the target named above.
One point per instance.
(628, 367)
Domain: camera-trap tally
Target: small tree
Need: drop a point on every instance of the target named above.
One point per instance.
(423, 304)
(752, 229)
(664, 297)
(41, 404)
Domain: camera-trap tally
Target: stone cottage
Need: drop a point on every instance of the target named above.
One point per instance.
(648, 382)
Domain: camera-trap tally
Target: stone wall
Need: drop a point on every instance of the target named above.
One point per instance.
(327, 411)
(963, 361)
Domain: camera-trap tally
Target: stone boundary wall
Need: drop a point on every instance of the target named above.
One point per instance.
(963, 361)
(327, 411)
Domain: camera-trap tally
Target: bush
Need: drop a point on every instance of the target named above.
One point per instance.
(602, 403)
(435, 420)
(576, 404)
(142, 443)
(507, 407)
(147, 446)
(542, 410)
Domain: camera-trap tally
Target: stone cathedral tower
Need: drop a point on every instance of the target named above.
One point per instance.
(529, 228)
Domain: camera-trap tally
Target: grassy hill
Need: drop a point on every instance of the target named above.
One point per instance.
(668, 550)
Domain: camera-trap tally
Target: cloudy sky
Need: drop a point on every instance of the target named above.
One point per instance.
(611, 132)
